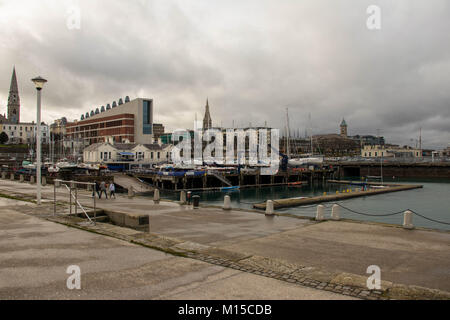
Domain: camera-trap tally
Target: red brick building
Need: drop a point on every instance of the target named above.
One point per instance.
(120, 127)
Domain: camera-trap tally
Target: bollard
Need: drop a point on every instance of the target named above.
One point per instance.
(11, 177)
(3, 175)
(44, 181)
(227, 203)
(320, 212)
(335, 213)
(408, 220)
(130, 192)
(269, 208)
(21, 178)
(156, 196)
(196, 202)
(183, 197)
(32, 179)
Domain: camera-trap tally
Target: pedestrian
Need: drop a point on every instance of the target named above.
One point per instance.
(103, 189)
(96, 189)
(189, 196)
(112, 190)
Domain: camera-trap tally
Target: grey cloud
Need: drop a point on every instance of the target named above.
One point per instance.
(252, 58)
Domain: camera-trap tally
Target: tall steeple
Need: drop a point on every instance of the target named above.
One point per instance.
(343, 128)
(14, 100)
(207, 122)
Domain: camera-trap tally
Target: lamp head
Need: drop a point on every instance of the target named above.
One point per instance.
(39, 82)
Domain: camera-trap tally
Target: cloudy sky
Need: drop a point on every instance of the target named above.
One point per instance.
(253, 59)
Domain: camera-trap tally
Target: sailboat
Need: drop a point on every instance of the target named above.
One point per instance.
(300, 161)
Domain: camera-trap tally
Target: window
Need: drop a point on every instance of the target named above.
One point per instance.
(147, 121)
(159, 155)
(151, 155)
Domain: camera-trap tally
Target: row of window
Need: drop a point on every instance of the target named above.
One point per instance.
(139, 155)
(26, 128)
(369, 154)
(11, 134)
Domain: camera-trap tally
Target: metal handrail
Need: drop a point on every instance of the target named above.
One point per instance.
(77, 182)
(77, 202)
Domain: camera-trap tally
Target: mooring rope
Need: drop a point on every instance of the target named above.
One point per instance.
(359, 212)
(370, 214)
(377, 215)
(437, 221)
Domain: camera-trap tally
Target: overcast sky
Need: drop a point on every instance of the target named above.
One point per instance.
(253, 59)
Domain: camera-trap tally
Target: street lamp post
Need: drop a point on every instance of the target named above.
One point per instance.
(39, 83)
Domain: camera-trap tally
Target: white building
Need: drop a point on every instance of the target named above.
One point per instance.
(106, 152)
(377, 151)
(24, 133)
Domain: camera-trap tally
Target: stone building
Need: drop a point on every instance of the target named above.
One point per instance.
(13, 111)
(207, 122)
(19, 132)
(389, 151)
(158, 131)
(344, 127)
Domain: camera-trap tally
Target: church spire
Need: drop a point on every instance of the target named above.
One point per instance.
(207, 122)
(14, 100)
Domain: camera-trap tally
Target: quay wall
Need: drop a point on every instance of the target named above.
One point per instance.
(413, 170)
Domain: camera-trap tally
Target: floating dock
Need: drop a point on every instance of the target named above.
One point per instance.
(294, 202)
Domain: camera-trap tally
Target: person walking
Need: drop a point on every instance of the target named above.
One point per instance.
(96, 189)
(103, 189)
(112, 190)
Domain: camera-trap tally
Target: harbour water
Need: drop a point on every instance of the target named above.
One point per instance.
(433, 201)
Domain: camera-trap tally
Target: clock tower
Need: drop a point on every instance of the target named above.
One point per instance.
(13, 100)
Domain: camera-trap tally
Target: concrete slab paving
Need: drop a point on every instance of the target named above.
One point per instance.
(416, 257)
(35, 254)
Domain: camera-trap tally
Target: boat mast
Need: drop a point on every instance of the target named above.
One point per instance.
(288, 147)
(310, 134)
(381, 158)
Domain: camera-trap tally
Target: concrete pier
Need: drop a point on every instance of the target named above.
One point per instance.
(245, 251)
(293, 202)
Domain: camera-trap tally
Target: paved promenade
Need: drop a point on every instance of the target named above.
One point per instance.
(218, 254)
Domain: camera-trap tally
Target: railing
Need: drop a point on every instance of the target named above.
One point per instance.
(388, 160)
(221, 178)
(74, 197)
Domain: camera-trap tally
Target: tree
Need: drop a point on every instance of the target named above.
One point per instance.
(3, 138)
